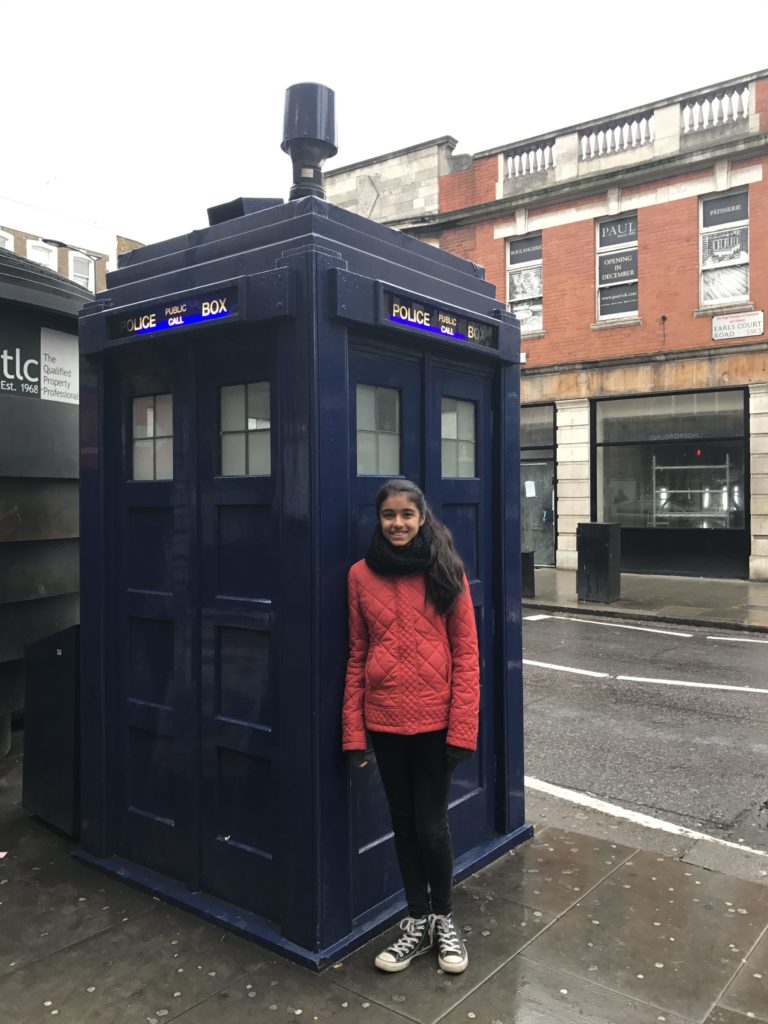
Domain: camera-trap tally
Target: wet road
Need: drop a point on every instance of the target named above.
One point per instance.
(610, 711)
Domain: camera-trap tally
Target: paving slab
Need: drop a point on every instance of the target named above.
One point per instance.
(748, 992)
(551, 872)
(494, 930)
(729, 859)
(48, 901)
(152, 967)
(721, 1016)
(524, 992)
(659, 931)
(278, 991)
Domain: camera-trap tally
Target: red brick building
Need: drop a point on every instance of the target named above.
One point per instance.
(634, 250)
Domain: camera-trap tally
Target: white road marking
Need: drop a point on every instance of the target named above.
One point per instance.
(738, 639)
(536, 618)
(621, 625)
(615, 811)
(682, 682)
(565, 668)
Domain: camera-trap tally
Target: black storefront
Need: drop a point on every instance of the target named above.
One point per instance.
(670, 468)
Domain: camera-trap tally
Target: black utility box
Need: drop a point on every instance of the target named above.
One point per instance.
(527, 583)
(598, 548)
(51, 786)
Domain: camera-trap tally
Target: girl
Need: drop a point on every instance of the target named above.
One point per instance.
(413, 681)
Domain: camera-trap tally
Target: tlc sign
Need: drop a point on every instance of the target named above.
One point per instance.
(44, 368)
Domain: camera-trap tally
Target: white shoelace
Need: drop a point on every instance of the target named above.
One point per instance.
(413, 928)
(447, 936)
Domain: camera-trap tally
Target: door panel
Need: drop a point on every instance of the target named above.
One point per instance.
(238, 560)
(464, 505)
(537, 511)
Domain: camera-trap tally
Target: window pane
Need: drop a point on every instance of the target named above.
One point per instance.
(724, 247)
(466, 411)
(143, 417)
(673, 486)
(233, 454)
(524, 284)
(466, 466)
(389, 454)
(366, 407)
(388, 409)
(530, 315)
(143, 460)
(622, 299)
(163, 416)
(258, 406)
(259, 453)
(164, 459)
(537, 425)
(450, 458)
(724, 285)
(449, 418)
(367, 453)
(233, 407)
(672, 417)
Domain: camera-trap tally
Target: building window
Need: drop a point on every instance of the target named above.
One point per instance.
(457, 438)
(378, 431)
(6, 241)
(153, 437)
(724, 249)
(245, 435)
(45, 255)
(672, 461)
(81, 270)
(525, 283)
(537, 482)
(617, 267)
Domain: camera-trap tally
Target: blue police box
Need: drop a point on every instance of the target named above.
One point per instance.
(245, 390)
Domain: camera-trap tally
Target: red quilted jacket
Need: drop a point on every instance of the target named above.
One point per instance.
(410, 669)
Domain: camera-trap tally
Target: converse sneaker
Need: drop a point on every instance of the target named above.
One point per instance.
(415, 940)
(451, 951)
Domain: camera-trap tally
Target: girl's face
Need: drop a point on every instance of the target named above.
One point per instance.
(400, 520)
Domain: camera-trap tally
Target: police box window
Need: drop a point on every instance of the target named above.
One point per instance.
(724, 249)
(245, 429)
(524, 283)
(617, 267)
(153, 437)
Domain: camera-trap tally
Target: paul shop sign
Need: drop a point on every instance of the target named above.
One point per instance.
(738, 325)
(47, 369)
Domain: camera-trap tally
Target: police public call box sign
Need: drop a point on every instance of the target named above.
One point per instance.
(172, 314)
(421, 316)
(47, 367)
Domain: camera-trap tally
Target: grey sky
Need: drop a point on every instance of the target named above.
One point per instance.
(139, 116)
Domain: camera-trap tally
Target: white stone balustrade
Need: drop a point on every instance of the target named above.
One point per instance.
(541, 156)
(617, 137)
(715, 110)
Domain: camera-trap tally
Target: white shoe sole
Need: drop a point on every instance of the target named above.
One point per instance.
(450, 968)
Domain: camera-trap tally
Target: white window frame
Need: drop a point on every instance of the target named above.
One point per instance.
(73, 255)
(6, 241)
(714, 229)
(52, 251)
(513, 268)
(613, 250)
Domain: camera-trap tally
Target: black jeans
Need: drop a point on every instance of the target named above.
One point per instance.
(416, 780)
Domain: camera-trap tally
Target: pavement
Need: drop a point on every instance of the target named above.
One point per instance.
(595, 920)
(731, 604)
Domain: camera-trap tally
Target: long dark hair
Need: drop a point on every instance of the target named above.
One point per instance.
(444, 575)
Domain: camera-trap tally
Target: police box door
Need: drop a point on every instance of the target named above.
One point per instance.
(393, 398)
(191, 613)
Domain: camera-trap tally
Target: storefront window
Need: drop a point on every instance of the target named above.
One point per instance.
(537, 482)
(672, 461)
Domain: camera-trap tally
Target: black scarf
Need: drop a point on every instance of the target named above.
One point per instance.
(387, 560)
